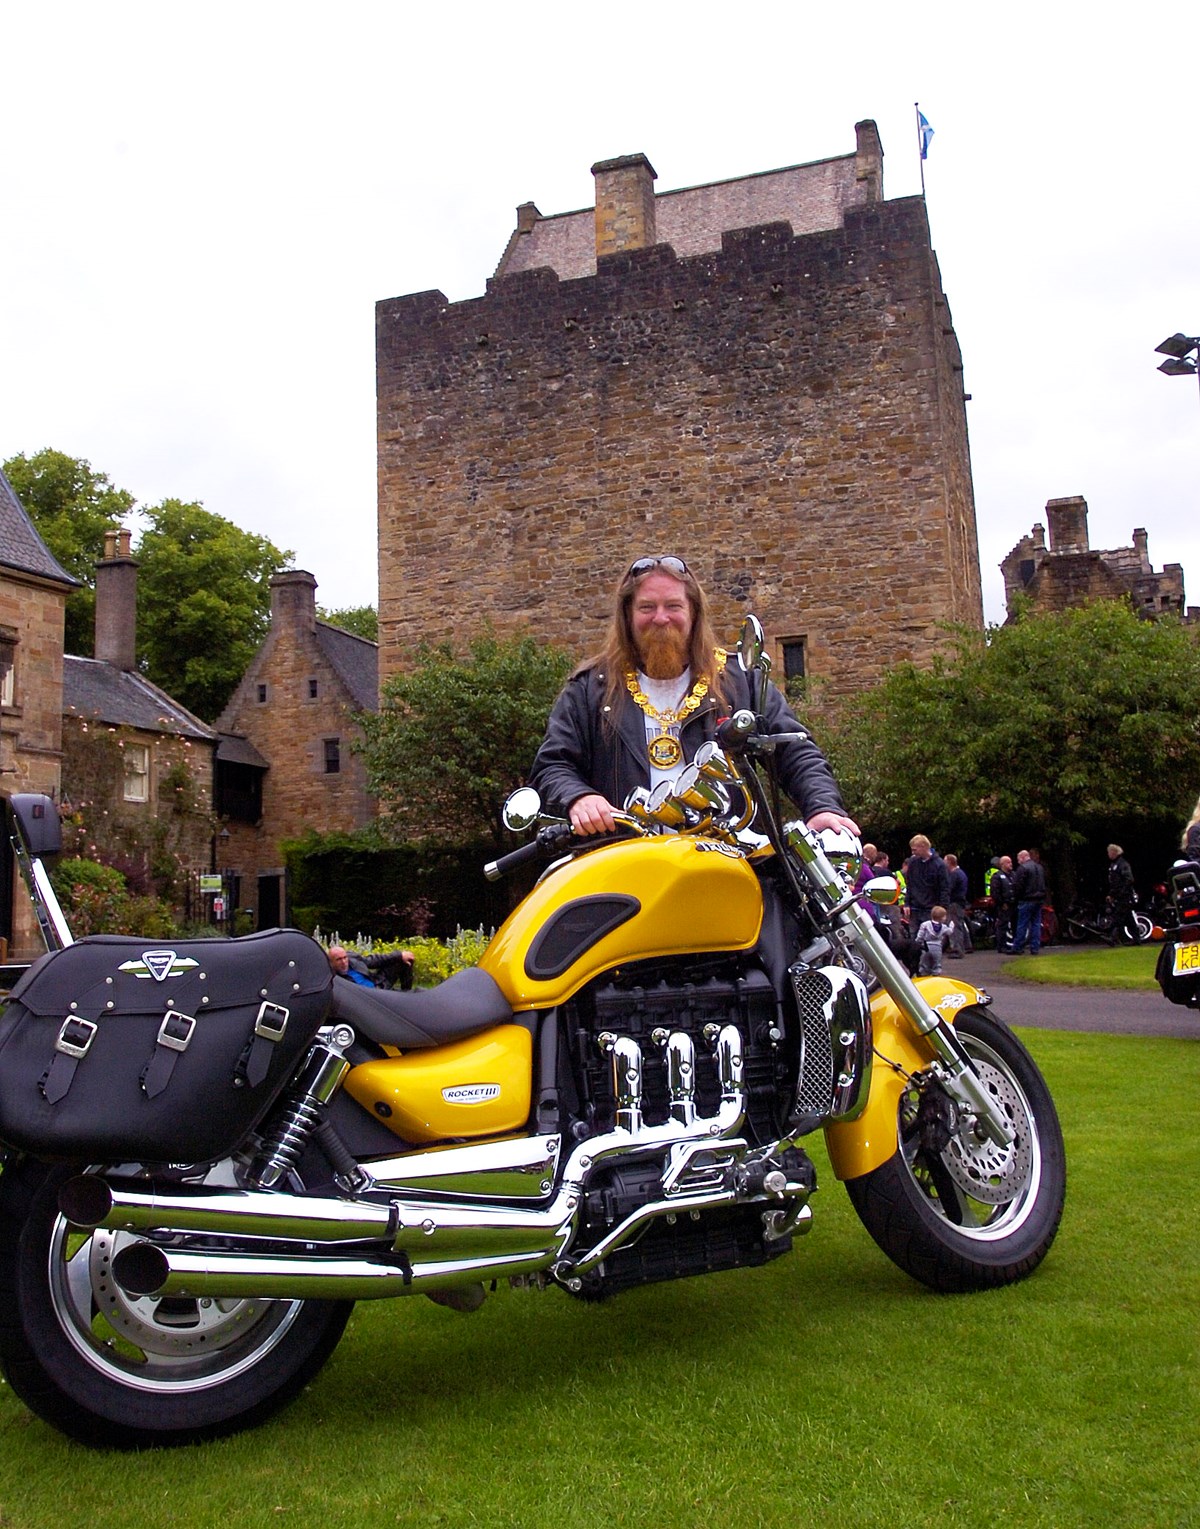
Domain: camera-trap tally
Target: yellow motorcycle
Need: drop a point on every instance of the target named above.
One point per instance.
(212, 1149)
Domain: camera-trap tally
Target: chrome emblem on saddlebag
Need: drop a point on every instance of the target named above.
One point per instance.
(159, 964)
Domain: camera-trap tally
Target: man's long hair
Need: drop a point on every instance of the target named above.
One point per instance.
(619, 654)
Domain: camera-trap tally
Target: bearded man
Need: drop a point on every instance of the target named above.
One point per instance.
(635, 713)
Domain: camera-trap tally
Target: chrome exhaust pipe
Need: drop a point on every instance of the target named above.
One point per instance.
(147, 1269)
(89, 1201)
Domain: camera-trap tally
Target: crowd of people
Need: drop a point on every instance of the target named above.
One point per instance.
(932, 921)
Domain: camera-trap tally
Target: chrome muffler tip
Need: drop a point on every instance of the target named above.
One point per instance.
(85, 1201)
(140, 1268)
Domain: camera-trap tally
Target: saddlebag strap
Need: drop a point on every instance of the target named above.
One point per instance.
(174, 1037)
(270, 1024)
(70, 1048)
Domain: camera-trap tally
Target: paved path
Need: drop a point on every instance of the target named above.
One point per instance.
(1073, 1008)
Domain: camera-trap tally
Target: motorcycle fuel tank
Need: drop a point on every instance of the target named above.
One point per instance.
(633, 901)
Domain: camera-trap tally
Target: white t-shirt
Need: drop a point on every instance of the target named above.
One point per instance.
(665, 695)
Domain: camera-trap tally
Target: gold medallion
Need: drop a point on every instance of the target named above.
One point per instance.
(665, 752)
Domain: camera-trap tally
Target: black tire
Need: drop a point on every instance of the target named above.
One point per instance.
(126, 1373)
(970, 1219)
(1136, 929)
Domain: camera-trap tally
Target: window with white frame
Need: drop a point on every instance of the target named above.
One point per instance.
(137, 772)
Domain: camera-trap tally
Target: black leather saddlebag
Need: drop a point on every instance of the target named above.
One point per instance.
(1182, 988)
(117, 1049)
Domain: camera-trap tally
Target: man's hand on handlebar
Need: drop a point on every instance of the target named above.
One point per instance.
(821, 820)
(592, 815)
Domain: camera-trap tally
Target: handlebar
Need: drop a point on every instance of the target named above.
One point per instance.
(554, 836)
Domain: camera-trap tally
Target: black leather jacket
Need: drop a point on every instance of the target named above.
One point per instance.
(583, 751)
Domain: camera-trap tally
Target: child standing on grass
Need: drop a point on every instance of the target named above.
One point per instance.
(931, 941)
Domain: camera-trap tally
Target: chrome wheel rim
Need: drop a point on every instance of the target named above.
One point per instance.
(983, 1191)
(164, 1345)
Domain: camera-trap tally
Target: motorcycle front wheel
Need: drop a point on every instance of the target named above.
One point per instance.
(968, 1215)
(131, 1372)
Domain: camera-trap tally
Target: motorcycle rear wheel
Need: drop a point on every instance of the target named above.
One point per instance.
(963, 1218)
(125, 1372)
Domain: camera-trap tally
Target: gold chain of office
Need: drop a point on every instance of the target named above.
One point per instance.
(666, 752)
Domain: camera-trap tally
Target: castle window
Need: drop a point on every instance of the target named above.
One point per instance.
(8, 662)
(262, 694)
(333, 756)
(312, 690)
(795, 657)
(137, 772)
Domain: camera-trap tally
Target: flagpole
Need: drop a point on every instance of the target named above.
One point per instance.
(920, 147)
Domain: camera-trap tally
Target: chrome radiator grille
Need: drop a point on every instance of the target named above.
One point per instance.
(814, 1087)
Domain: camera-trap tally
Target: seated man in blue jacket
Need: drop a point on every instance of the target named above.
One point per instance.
(393, 969)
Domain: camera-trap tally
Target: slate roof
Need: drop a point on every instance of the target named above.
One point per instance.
(20, 545)
(93, 689)
(356, 661)
(236, 748)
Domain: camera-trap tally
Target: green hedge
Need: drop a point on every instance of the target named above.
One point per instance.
(336, 881)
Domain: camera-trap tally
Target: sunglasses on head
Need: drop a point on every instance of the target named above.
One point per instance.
(673, 565)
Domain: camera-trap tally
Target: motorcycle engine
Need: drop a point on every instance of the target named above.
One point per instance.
(646, 1002)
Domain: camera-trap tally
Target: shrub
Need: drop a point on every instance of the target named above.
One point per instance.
(96, 900)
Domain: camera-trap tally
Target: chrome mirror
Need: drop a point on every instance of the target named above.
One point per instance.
(751, 645)
(521, 810)
(883, 891)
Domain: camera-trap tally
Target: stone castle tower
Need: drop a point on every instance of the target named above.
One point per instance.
(759, 375)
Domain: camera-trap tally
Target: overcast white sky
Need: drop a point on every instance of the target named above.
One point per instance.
(202, 204)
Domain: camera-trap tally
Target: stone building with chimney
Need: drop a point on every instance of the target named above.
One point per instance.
(284, 761)
(33, 597)
(1069, 572)
(137, 766)
(759, 375)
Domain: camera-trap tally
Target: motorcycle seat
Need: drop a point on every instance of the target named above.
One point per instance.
(465, 1004)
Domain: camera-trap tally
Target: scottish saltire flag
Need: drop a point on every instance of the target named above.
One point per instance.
(925, 132)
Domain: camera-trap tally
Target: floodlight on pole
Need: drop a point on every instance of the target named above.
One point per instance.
(1183, 355)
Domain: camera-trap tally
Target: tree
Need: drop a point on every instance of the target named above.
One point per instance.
(72, 506)
(362, 620)
(204, 602)
(1056, 727)
(454, 735)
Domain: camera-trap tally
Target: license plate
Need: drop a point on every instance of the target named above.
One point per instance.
(1187, 959)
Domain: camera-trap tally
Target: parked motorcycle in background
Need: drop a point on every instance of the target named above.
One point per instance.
(213, 1150)
(1178, 967)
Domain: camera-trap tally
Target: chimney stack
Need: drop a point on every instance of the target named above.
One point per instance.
(1068, 524)
(625, 218)
(116, 602)
(294, 600)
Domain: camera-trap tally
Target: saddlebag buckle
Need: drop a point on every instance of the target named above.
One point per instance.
(71, 1045)
(174, 1036)
(270, 1026)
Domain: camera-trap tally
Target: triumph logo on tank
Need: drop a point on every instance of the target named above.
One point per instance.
(471, 1093)
(159, 964)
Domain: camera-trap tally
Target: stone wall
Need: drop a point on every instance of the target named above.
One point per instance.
(787, 414)
(31, 617)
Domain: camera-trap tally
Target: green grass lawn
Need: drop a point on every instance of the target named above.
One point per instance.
(1113, 966)
(827, 1389)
